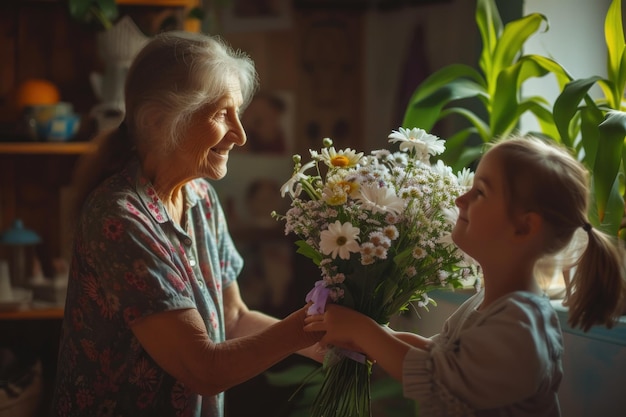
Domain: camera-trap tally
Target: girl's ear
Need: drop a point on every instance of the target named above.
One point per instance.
(528, 224)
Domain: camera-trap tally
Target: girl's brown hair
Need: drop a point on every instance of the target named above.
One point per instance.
(545, 178)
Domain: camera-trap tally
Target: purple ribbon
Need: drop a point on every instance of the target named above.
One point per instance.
(318, 295)
(355, 356)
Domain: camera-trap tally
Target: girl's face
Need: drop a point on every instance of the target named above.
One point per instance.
(213, 132)
(484, 228)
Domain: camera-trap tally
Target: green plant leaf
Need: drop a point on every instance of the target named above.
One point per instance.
(614, 36)
(86, 11)
(78, 9)
(480, 126)
(308, 251)
(454, 147)
(510, 44)
(425, 111)
(445, 76)
(469, 155)
(608, 158)
(543, 114)
(589, 120)
(538, 66)
(490, 26)
(567, 104)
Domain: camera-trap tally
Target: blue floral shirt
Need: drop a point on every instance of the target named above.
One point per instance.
(131, 260)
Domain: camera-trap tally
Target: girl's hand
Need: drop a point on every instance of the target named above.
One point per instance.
(340, 324)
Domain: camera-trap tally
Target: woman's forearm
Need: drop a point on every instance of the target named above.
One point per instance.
(242, 358)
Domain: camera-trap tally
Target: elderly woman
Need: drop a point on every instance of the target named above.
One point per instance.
(154, 322)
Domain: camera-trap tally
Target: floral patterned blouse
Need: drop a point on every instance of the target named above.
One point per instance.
(131, 260)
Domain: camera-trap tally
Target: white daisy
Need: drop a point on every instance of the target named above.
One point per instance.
(339, 239)
(289, 186)
(465, 178)
(380, 199)
(418, 140)
(344, 158)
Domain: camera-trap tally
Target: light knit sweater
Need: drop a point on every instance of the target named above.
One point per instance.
(504, 360)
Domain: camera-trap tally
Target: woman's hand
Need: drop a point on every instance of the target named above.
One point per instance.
(340, 324)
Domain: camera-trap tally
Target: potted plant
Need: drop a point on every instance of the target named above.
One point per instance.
(494, 89)
(593, 129)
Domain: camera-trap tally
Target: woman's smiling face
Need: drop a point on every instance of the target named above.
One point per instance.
(213, 132)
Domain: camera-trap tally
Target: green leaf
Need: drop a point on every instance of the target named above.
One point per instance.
(454, 146)
(86, 11)
(469, 155)
(109, 8)
(445, 76)
(490, 26)
(510, 44)
(78, 9)
(544, 117)
(425, 111)
(479, 124)
(549, 65)
(566, 106)
(614, 35)
(308, 251)
(608, 158)
(196, 13)
(590, 119)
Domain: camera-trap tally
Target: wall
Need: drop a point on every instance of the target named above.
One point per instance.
(405, 45)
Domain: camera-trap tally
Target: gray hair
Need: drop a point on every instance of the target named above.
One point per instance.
(172, 77)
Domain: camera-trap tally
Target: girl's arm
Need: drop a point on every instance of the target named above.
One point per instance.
(349, 329)
(413, 339)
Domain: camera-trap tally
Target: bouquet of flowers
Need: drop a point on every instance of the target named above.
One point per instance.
(378, 226)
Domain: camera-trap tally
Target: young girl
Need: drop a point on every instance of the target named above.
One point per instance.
(500, 352)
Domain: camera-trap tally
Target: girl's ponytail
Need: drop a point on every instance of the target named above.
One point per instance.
(598, 289)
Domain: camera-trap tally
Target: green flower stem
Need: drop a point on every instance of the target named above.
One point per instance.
(345, 391)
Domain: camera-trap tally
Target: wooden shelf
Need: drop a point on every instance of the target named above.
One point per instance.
(33, 313)
(46, 148)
